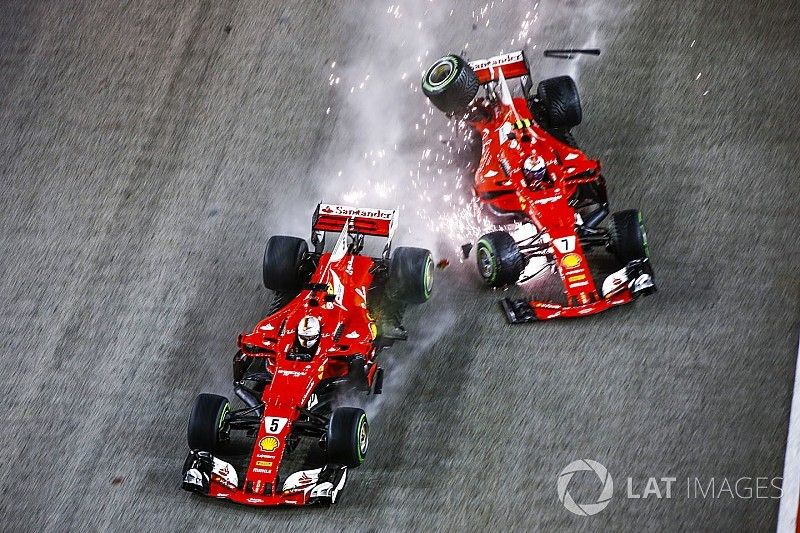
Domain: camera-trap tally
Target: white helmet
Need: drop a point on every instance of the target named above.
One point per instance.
(308, 331)
(534, 169)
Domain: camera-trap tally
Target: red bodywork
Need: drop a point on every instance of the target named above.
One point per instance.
(346, 329)
(500, 186)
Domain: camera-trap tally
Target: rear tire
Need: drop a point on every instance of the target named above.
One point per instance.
(500, 261)
(348, 437)
(411, 275)
(450, 84)
(628, 236)
(283, 257)
(207, 426)
(561, 104)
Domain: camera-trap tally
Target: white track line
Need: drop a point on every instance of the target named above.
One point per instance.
(787, 514)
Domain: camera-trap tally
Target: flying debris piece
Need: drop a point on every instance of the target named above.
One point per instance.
(465, 250)
(571, 53)
(442, 264)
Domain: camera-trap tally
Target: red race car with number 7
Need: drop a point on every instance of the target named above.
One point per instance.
(533, 180)
(335, 310)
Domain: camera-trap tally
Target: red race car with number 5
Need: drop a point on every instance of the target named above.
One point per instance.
(534, 181)
(334, 311)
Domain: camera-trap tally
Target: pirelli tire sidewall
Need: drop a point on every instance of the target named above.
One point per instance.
(347, 437)
(283, 257)
(628, 236)
(450, 84)
(411, 274)
(207, 423)
(560, 103)
(500, 261)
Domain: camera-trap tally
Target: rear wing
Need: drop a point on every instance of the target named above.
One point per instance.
(374, 222)
(511, 65)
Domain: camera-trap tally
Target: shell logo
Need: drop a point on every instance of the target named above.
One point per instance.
(571, 261)
(268, 444)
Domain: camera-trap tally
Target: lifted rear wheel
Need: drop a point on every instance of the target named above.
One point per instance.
(500, 261)
(450, 84)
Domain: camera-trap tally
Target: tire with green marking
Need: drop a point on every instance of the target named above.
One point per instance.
(411, 274)
(348, 437)
(500, 261)
(450, 84)
(208, 429)
(283, 258)
(628, 236)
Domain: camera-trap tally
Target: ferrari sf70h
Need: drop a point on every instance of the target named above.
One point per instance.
(335, 309)
(534, 181)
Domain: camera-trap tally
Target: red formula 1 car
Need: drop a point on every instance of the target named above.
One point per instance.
(319, 344)
(532, 177)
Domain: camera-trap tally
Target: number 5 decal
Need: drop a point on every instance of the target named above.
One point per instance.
(565, 245)
(274, 424)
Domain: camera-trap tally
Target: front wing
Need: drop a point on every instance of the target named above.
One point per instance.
(210, 476)
(619, 288)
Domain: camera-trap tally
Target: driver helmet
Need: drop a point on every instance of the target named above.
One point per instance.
(534, 170)
(308, 331)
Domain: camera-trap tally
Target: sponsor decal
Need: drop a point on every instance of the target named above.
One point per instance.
(547, 200)
(320, 371)
(294, 373)
(263, 463)
(571, 261)
(579, 277)
(262, 470)
(581, 284)
(268, 444)
(512, 57)
(329, 209)
(254, 500)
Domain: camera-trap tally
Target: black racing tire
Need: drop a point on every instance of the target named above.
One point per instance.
(500, 261)
(411, 274)
(560, 102)
(348, 437)
(450, 84)
(283, 257)
(207, 426)
(628, 236)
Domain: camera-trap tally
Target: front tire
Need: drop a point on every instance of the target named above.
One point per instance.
(283, 258)
(450, 84)
(208, 428)
(500, 261)
(628, 236)
(411, 275)
(348, 437)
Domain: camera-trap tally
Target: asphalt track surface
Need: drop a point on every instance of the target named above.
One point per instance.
(146, 153)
